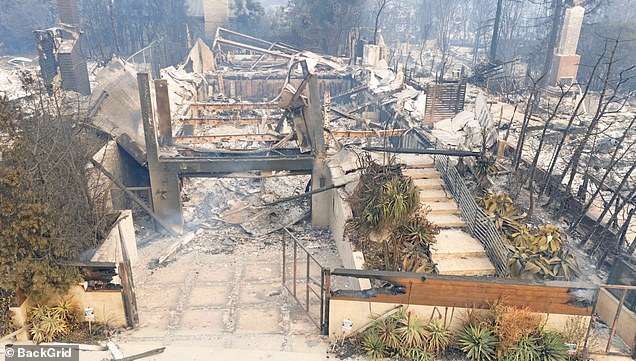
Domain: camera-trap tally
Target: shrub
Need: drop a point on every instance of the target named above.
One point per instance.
(512, 324)
(478, 343)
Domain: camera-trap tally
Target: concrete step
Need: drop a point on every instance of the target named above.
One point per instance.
(445, 207)
(446, 220)
(428, 183)
(455, 243)
(434, 195)
(465, 266)
(420, 173)
(420, 165)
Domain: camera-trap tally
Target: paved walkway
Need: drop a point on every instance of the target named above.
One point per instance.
(224, 290)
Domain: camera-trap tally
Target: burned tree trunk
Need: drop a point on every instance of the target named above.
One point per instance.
(613, 162)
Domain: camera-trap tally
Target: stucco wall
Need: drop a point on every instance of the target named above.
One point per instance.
(606, 308)
(361, 314)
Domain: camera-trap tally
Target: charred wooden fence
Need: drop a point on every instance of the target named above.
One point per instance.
(557, 297)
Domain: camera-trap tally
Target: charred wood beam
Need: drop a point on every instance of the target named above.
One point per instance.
(367, 133)
(228, 138)
(211, 122)
(350, 92)
(283, 47)
(234, 106)
(253, 48)
(215, 166)
(449, 152)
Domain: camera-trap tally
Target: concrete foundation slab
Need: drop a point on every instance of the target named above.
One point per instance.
(210, 296)
(202, 322)
(259, 321)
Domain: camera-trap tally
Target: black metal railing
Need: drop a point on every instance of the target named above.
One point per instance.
(307, 281)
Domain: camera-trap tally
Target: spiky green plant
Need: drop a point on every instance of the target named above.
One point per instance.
(437, 337)
(46, 326)
(384, 198)
(410, 330)
(416, 354)
(526, 350)
(385, 328)
(553, 347)
(478, 343)
(372, 345)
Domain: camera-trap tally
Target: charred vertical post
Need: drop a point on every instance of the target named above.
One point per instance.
(163, 112)
(164, 183)
(321, 202)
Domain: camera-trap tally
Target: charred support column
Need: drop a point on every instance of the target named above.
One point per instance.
(163, 112)
(321, 202)
(164, 183)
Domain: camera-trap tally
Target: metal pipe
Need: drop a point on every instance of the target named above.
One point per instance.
(327, 277)
(448, 152)
(307, 286)
(295, 259)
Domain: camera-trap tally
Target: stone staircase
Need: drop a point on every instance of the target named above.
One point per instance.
(456, 252)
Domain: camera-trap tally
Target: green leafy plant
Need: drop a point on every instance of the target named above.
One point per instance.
(535, 255)
(416, 354)
(478, 343)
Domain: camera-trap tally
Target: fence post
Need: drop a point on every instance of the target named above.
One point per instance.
(284, 259)
(307, 285)
(327, 290)
(295, 266)
(616, 317)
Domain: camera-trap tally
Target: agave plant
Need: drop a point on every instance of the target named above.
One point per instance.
(372, 345)
(478, 343)
(416, 354)
(548, 239)
(46, 325)
(384, 198)
(553, 347)
(437, 337)
(410, 330)
(526, 350)
(385, 329)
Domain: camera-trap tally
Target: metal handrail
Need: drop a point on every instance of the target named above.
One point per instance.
(479, 224)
